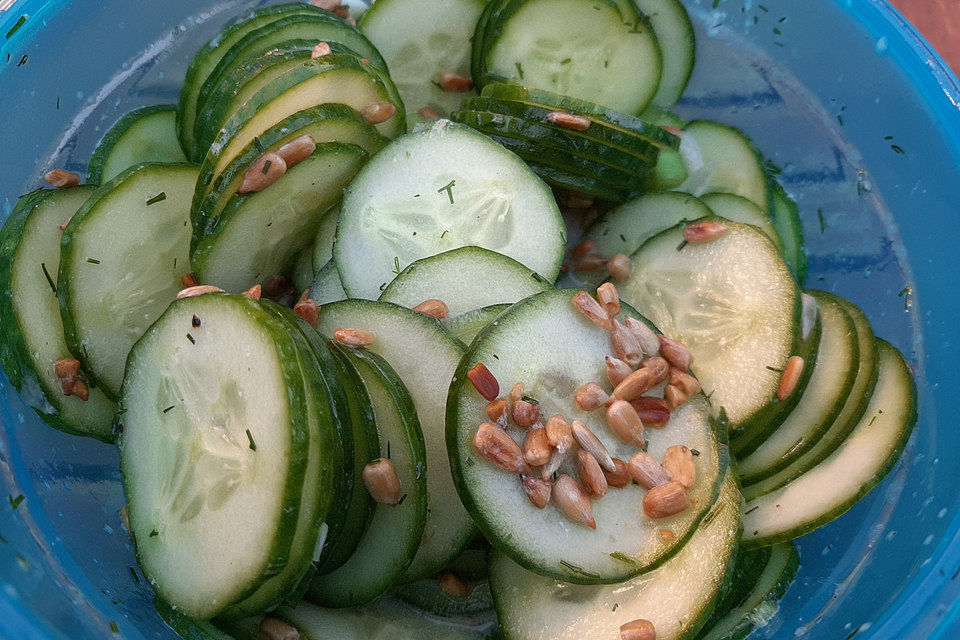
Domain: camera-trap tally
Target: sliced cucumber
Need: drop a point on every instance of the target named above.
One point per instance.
(577, 182)
(422, 41)
(326, 286)
(428, 596)
(325, 123)
(393, 536)
(625, 228)
(110, 289)
(425, 357)
(836, 370)
(785, 216)
(257, 234)
(303, 268)
(445, 187)
(739, 209)
(674, 33)
(721, 159)
(829, 489)
(763, 598)
(211, 444)
(326, 234)
(466, 326)
(33, 338)
(144, 135)
(210, 55)
(576, 48)
(854, 406)
(550, 347)
(465, 279)
(188, 628)
(677, 598)
(733, 302)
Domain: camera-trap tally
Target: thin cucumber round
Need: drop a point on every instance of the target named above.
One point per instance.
(148, 134)
(721, 159)
(110, 289)
(440, 189)
(33, 339)
(854, 406)
(393, 536)
(326, 286)
(188, 628)
(829, 489)
(257, 234)
(428, 596)
(833, 378)
(677, 598)
(466, 326)
(464, 279)
(733, 302)
(739, 209)
(425, 357)
(578, 182)
(302, 271)
(326, 235)
(785, 216)
(545, 343)
(201, 459)
(674, 33)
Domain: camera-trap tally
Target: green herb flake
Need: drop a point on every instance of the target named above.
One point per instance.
(154, 534)
(266, 167)
(823, 221)
(256, 141)
(19, 23)
(93, 261)
(114, 627)
(23, 61)
(15, 502)
(445, 232)
(575, 569)
(616, 605)
(907, 294)
(695, 452)
(565, 61)
(716, 3)
(133, 573)
(710, 517)
(898, 149)
(774, 369)
(469, 462)
(681, 245)
(388, 449)
(622, 557)
(58, 103)
(396, 265)
(777, 31)
(160, 197)
(402, 498)
(539, 278)
(449, 189)
(169, 408)
(751, 510)
(519, 69)
(191, 339)
(253, 445)
(46, 274)
(530, 400)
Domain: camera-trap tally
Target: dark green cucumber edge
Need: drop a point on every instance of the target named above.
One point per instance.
(106, 144)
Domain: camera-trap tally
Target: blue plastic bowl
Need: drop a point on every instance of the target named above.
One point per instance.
(844, 96)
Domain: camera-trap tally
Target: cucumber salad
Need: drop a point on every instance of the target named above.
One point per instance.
(439, 323)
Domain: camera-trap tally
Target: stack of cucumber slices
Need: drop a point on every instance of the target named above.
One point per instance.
(363, 386)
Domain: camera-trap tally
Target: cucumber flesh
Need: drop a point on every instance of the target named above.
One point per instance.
(733, 302)
(425, 357)
(739, 209)
(326, 286)
(785, 216)
(721, 159)
(829, 489)
(465, 279)
(110, 289)
(302, 272)
(188, 628)
(466, 326)
(326, 235)
(393, 536)
(674, 32)
(144, 135)
(199, 459)
(677, 598)
(33, 337)
(829, 386)
(550, 347)
(445, 188)
(428, 596)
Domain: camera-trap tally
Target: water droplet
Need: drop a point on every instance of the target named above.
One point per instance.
(108, 529)
(928, 540)
(20, 418)
(891, 535)
(941, 513)
(881, 47)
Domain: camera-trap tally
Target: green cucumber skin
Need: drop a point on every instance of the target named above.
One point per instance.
(66, 253)
(785, 215)
(105, 146)
(578, 182)
(296, 399)
(476, 42)
(15, 358)
(189, 93)
(427, 596)
(187, 628)
(662, 99)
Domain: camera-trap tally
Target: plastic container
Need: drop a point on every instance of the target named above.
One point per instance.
(860, 114)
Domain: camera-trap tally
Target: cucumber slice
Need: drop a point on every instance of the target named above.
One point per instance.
(393, 536)
(188, 628)
(733, 302)
(465, 279)
(425, 357)
(854, 406)
(351, 520)
(785, 216)
(577, 182)
(326, 286)
(663, 118)
(429, 597)
(466, 326)
(738, 209)
(325, 123)
(763, 598)
(210, 55)
(143, 135)
(549, 346)
(674, 31)
(587, 52)
(33, 337)
(625, 228)
(421, 41)
(326, 234)
(303, 268)
(198, 459)
(823, 399)
(110, 289)
(721, 159)
(677, 598)
(257, 234)
(446, 187)
(829, 489)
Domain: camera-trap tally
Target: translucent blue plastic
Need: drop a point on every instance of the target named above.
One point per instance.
(844, 96)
